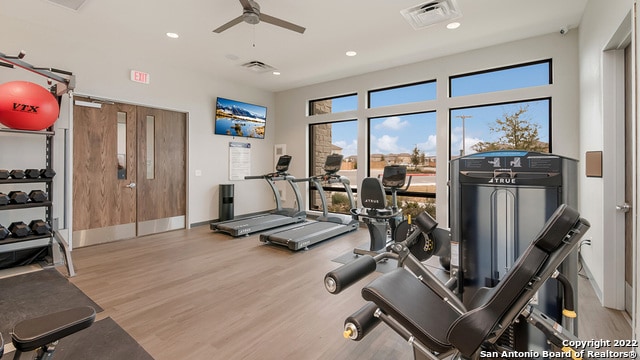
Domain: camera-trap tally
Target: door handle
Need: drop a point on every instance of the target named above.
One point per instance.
(624, 207)
(131, 185)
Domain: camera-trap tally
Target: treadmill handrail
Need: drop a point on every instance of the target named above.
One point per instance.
(331, 179)
(280, 176)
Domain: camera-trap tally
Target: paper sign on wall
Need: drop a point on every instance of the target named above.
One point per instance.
(239, 160)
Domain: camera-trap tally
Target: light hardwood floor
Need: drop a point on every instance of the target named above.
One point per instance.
(195, 294)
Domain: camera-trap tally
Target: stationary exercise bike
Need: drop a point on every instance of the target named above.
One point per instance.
(381, 219)
(36, 338)
(387, 225)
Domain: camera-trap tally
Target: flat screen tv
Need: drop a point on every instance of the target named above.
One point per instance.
(236, 118)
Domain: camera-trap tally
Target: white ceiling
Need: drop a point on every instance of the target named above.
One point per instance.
(373, 28)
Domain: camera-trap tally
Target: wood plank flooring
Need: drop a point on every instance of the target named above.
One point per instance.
(195, 294)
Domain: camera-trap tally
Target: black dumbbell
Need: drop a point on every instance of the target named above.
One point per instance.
(19, 229)
(4, 174)
(4, 199)
(32, 173)
(18, 197)
(17, 174)
(4, 233)
(38, 196)
(47, 173)
(39, 227)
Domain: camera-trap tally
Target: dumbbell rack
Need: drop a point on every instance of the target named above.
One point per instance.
(32, 241)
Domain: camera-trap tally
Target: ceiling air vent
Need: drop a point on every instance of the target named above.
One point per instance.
(258, 66)
(431, 12)
(70, 4)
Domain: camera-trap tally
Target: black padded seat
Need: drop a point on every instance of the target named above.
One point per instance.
(434, 323)
(37, 332)
(401, 295)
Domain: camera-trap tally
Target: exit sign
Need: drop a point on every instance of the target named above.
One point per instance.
(139, 76)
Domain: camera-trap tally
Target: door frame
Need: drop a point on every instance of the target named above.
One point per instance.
(70, 161)
(613, 90)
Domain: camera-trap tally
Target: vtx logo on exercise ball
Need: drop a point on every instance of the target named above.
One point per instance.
(27, 106)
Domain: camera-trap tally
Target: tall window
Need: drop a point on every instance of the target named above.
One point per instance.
(334, 138)
(409, 140)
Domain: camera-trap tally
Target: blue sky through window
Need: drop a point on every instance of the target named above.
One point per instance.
(402, 133)
(505, 79)
(403, 95)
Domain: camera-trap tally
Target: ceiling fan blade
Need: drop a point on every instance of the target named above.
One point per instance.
(282, 23)
(246, 5)
(224, 27)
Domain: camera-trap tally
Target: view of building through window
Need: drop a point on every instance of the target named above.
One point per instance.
(408, 140)
(334, 138)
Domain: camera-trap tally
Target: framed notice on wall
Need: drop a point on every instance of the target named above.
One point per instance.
(239, 160)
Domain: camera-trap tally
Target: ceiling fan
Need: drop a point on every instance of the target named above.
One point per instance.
(251, 15)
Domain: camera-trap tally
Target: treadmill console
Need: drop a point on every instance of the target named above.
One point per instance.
(332, 164)
(394, 176)
(283, 163)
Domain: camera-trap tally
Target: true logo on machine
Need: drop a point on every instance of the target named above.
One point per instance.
(506, 181)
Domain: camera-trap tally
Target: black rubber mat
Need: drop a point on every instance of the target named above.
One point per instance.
(35, 294)
(104, 340)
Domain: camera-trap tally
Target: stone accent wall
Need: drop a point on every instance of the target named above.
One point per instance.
(321, 145)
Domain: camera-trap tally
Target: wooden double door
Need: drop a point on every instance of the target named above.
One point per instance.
(129, 171)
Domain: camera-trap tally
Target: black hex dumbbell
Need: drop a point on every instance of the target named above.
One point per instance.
(38, 196)
(39, 227)
(18, 197)
(4, 232)
(47, 173)
(4, 174)
(32, 173)
(4, 199)
(17, 174)
(19, 229)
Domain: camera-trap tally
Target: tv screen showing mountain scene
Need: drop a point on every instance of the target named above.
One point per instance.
(236, 118)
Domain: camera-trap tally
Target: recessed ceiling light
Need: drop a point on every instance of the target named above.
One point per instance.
(173, 35)
(276, 73)
(453, 25)
(351, 53)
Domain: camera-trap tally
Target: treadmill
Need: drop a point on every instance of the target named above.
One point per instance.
(326, 226)
(278, 217)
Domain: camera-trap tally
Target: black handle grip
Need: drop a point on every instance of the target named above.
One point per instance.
(341, 278)
(360, 323)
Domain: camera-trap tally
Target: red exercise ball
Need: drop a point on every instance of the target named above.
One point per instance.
(27, 106)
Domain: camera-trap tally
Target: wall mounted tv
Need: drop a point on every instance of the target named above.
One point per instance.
(236, 118)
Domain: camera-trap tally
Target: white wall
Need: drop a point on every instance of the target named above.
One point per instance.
(292, 104)
(599, 25)
(176, 88)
